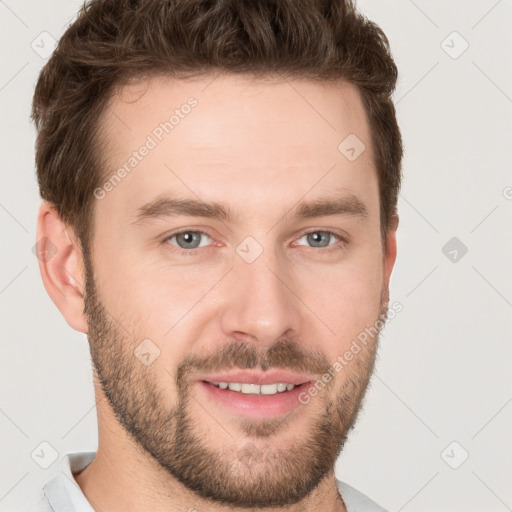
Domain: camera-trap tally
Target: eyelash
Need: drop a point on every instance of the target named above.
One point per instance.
(191, 252)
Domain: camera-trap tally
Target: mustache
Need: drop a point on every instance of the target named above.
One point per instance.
(284, 354)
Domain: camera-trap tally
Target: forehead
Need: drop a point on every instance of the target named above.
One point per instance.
(220, 136)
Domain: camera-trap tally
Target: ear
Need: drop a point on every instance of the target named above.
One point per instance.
(61, 265)
(390, 249)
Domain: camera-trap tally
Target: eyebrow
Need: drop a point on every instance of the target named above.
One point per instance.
(163, 207)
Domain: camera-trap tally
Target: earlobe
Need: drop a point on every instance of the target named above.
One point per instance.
(61, 266)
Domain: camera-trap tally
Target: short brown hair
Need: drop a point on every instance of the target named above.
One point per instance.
(114, 41)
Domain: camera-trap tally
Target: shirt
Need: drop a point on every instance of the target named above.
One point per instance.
(63, 494)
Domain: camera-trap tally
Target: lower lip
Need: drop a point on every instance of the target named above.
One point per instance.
(255, 406)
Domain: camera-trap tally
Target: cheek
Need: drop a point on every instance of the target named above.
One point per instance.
(347, 298)
(159, 302)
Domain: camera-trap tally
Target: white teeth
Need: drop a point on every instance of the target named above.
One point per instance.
(251, 389)
(270, 389)
(255, 389)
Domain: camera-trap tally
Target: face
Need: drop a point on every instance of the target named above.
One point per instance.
(233, 263)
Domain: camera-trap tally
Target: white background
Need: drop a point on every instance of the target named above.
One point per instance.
(444, 368)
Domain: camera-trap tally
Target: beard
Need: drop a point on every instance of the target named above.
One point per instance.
(264, 472)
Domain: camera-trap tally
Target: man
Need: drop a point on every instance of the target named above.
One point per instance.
(219, 184)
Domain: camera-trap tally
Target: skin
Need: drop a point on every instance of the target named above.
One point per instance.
(260, 147)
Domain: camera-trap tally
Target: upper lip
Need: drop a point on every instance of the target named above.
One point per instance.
(259, 377)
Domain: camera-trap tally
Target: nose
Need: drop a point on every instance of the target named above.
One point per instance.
(259, 303)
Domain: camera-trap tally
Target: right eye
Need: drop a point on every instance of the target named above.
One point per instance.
(188, 239)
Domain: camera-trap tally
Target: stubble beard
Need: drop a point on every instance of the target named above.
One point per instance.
(259, 472)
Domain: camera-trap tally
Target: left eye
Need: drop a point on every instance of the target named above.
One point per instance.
(319, 238)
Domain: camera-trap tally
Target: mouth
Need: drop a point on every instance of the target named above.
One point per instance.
(255, 394)
(254, 389)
